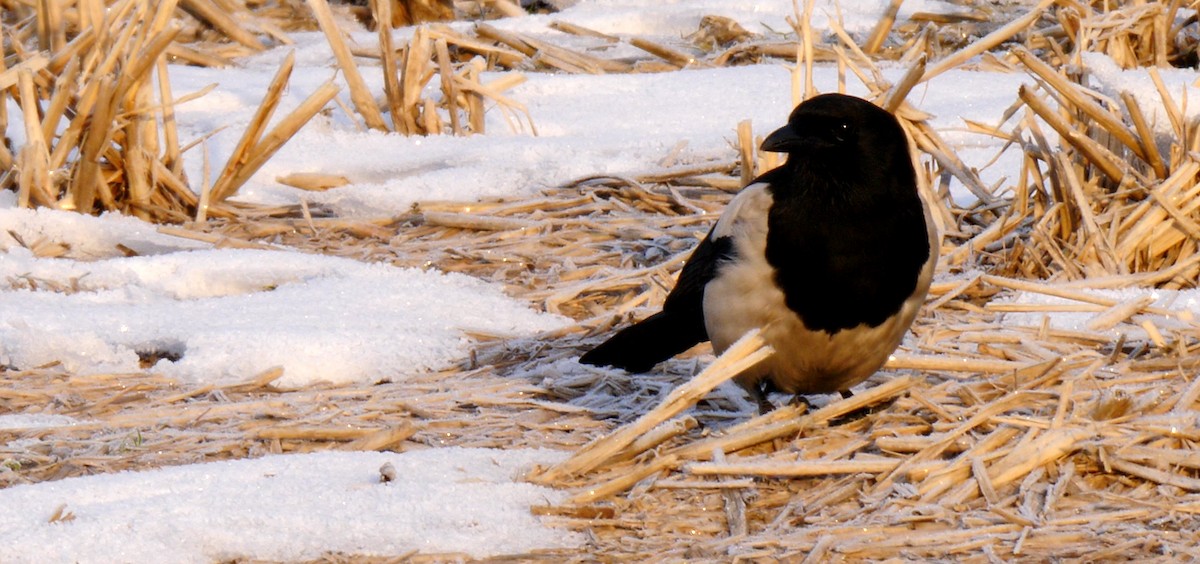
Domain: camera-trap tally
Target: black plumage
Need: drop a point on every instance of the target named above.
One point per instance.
(831, 254)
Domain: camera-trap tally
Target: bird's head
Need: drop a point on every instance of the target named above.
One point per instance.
(836, 128)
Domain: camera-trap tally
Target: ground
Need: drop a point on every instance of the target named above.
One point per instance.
(1044, 406)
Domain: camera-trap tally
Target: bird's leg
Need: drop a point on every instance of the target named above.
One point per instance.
(758, 393)
(860, 412)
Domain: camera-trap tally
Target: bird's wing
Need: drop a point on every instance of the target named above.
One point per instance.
(718, 247)
(688, 294)
(678, 327)
(680, 324)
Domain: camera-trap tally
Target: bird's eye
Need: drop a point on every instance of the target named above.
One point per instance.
(841, 131)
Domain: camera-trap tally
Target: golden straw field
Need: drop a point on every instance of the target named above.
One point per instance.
(980, 440)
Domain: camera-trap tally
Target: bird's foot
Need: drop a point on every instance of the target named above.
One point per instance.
(800, 400)
(859, 413)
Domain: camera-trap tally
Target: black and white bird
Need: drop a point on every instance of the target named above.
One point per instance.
(831, 255)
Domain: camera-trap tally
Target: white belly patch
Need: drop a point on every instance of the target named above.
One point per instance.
(744, 296)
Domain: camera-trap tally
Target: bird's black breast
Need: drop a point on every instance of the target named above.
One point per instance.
(843, 262)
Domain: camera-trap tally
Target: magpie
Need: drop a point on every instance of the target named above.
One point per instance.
(831, 255)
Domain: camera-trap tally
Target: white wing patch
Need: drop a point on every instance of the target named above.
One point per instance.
(743, 294)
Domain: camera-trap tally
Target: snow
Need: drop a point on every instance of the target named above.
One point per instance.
(675, 18)
(225, 315)
(1185, 301)
(35, 421)
(586, 124)
(287, 508)
(1109, 79)
(229, 314)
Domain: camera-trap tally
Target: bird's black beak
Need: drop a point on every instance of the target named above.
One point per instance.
(783, 140)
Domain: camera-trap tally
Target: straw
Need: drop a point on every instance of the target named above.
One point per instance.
(743, 354)
(364, 102)
(984, 437)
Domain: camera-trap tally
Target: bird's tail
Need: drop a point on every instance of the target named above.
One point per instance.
(639, 347)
